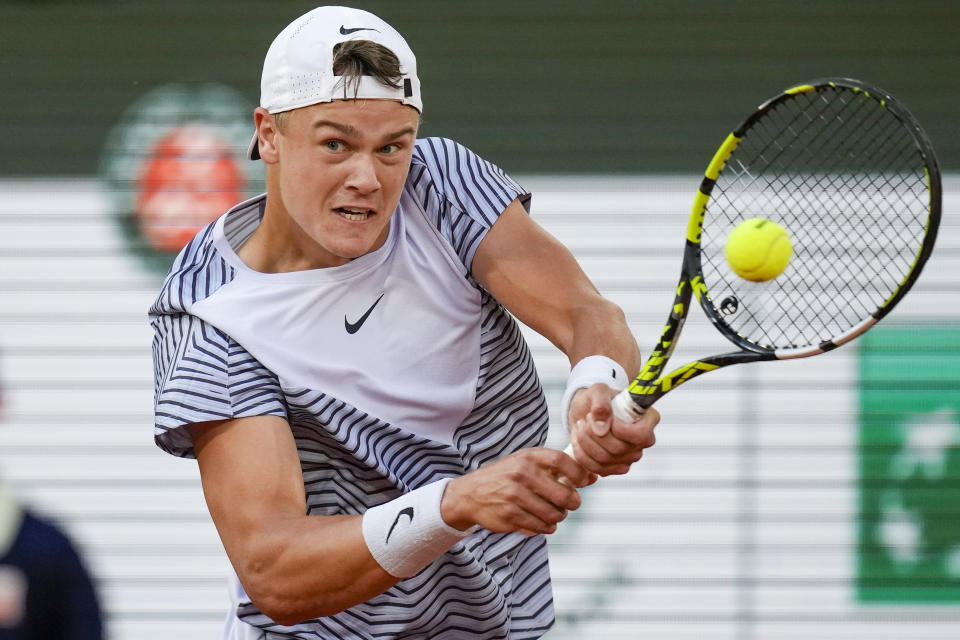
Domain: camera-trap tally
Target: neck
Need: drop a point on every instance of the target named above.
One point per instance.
(277, 245)
(269, 250)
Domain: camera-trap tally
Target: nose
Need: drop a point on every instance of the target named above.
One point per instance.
(363, 174)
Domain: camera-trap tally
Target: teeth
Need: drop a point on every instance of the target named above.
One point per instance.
(354, 215)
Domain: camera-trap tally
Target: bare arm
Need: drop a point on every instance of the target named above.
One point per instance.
(537, 278)
(534, 276)
(293, 566)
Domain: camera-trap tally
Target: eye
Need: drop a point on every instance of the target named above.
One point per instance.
(334, 145)
(390, 149)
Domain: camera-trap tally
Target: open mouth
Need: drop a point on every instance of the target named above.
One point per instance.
(354, 215)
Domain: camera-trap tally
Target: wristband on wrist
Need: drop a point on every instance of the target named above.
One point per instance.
(587, 372)
(408, 533)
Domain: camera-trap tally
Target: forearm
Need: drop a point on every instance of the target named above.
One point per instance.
(293, 566)
(303, 567)
(348, 559)
(600, 328)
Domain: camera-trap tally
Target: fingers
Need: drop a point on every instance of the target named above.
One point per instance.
(522, 492)
(568, 469)
(532, 514)
(529, 516)
(604, 456)
(594, 403)
(603, 444)
(639, 432)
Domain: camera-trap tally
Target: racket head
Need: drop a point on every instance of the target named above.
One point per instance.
(848, 171)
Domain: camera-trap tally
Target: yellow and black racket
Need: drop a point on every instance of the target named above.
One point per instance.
(851, 176)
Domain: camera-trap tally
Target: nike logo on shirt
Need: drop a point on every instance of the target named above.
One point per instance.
(403, 512)
(353, 327)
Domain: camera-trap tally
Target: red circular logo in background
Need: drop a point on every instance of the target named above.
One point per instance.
(176, 161)
(189, 178)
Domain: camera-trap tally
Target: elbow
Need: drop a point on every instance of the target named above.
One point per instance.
(289, 611)
(269, 596)
(290, 584)
(287, 607)
(278, 609)
(279, 597)
(613, 311)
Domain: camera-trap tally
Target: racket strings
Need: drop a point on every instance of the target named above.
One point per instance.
(844, 176)
(781, 137)
(878, 251)
(839, 201)
(821, 157)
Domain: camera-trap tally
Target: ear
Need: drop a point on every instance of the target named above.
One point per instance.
(267, 134)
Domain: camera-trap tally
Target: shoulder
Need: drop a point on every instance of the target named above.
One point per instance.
(200, 269)
(456, 174)
(428, 150)
(444, 157)
(189, 277)
(461, 194)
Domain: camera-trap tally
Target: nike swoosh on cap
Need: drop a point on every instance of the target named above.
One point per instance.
(344, 31)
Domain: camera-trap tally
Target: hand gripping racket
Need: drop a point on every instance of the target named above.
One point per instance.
(851, 176)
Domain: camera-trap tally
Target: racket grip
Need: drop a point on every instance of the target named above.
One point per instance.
(569, 451)
(625, 409)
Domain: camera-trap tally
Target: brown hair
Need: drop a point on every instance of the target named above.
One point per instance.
(355, 58)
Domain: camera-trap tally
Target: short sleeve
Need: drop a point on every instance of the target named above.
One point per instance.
(461, 194)
(201, 374)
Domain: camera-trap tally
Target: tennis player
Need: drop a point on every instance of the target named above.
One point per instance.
(341, 356)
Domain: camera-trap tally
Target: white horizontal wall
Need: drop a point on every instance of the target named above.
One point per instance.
(740, 523)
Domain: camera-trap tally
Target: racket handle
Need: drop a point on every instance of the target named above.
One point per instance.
(625, 409)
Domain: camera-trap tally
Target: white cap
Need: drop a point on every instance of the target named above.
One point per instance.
(298, 67)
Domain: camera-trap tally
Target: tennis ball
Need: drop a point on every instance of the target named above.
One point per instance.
(758, 249)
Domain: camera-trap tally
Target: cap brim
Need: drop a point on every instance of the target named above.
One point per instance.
(253, 151)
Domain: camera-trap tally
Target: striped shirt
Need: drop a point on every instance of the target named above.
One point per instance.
(394, 370)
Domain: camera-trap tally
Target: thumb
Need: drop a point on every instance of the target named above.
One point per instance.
(599, 421)
(600, 413)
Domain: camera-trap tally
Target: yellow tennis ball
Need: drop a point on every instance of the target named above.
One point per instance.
(758, 249)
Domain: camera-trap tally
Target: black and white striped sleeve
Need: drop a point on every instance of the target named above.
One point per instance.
(201, 374)
(461, 193)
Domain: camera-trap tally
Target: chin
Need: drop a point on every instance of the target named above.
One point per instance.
(352, 253)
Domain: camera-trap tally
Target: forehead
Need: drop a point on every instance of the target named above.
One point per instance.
(371, 117)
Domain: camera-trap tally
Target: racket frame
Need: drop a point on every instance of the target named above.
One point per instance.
(650, 385)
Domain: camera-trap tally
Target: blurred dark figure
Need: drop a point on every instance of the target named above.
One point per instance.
(45, 591)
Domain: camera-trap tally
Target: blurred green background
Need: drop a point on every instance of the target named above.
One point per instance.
(537, 87)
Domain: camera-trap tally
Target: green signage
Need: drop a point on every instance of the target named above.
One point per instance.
(909, 469)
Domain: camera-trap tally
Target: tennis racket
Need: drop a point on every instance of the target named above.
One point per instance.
(851, 176)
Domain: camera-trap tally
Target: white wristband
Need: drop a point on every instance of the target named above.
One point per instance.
(408, 533)
(585, 373)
